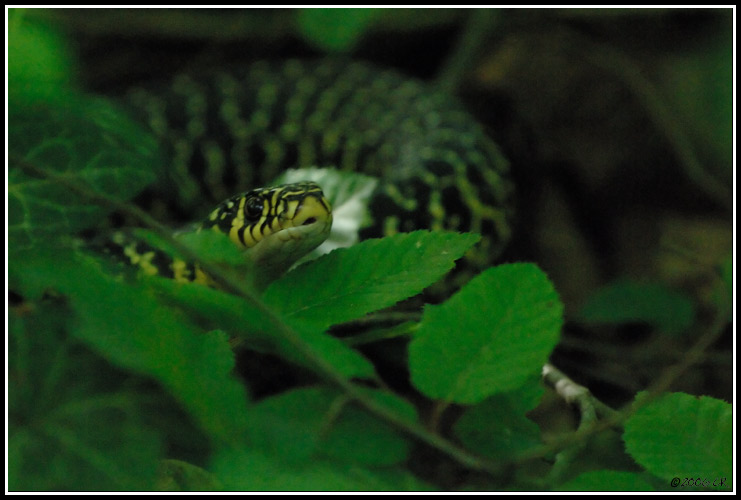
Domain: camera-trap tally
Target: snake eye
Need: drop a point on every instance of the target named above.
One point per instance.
(253, 207)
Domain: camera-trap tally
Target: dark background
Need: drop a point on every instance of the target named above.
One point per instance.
(617, 124)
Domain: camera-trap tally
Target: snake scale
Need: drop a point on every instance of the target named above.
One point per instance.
(224, 132)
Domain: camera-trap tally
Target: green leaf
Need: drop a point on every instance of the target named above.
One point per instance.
(213, 247)
(176, 475)
(254, 470)
(652, 303)
(497, 427)
(680, 435)
(335, 30)
(72, 425)
(351, 282)
(608, 480)
(489, 337)
(321, 422)
(132, 330)
(39, 62)
(245, 321)
(85, 141)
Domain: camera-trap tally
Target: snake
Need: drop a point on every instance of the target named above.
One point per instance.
(227, 131)
(276, 225)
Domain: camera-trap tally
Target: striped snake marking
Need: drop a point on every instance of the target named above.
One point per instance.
(225, 132)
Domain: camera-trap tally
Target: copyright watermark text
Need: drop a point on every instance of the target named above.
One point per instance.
(699, 482)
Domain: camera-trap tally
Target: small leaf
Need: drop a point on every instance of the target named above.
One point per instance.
(335, 30)
(176, 475)
(628, 301)
(489, 337)
(321, 422)
(497, 427)
(608, 480)
(351, 282)
(680, 435)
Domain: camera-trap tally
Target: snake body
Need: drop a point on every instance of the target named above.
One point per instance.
(229, 131)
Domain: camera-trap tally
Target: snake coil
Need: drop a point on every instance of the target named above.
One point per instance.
(226, 132)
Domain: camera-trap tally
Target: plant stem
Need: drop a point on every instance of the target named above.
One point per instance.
(228, 284)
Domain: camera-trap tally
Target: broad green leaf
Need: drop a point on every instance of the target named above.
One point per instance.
(129, 328)
(84, 141)
(333, 29)
(176, 475)
(628, 301)
(489, 337)
(608, 480)
(680, 435)
(71, 423)
(321, 422)
(497, 427)
(254, 470)
(351, 282)
(241, 319)
(39, 62)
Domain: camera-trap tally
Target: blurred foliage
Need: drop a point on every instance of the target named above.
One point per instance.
(608, 480)
(618, 124)
(698, 84)
(68, 409)
(334, 30)
(39, 60)
(653, 303)
(83, 138)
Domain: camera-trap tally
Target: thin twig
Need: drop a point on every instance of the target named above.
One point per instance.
(574, 393)
(694, 355)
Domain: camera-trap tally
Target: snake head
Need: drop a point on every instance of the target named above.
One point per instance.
(276, 225)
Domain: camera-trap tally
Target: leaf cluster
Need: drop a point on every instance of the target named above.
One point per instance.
(120, 384)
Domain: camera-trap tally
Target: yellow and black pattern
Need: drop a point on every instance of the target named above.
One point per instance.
(276, 226)
(250, 217)
(228, 131)
(150, 260)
